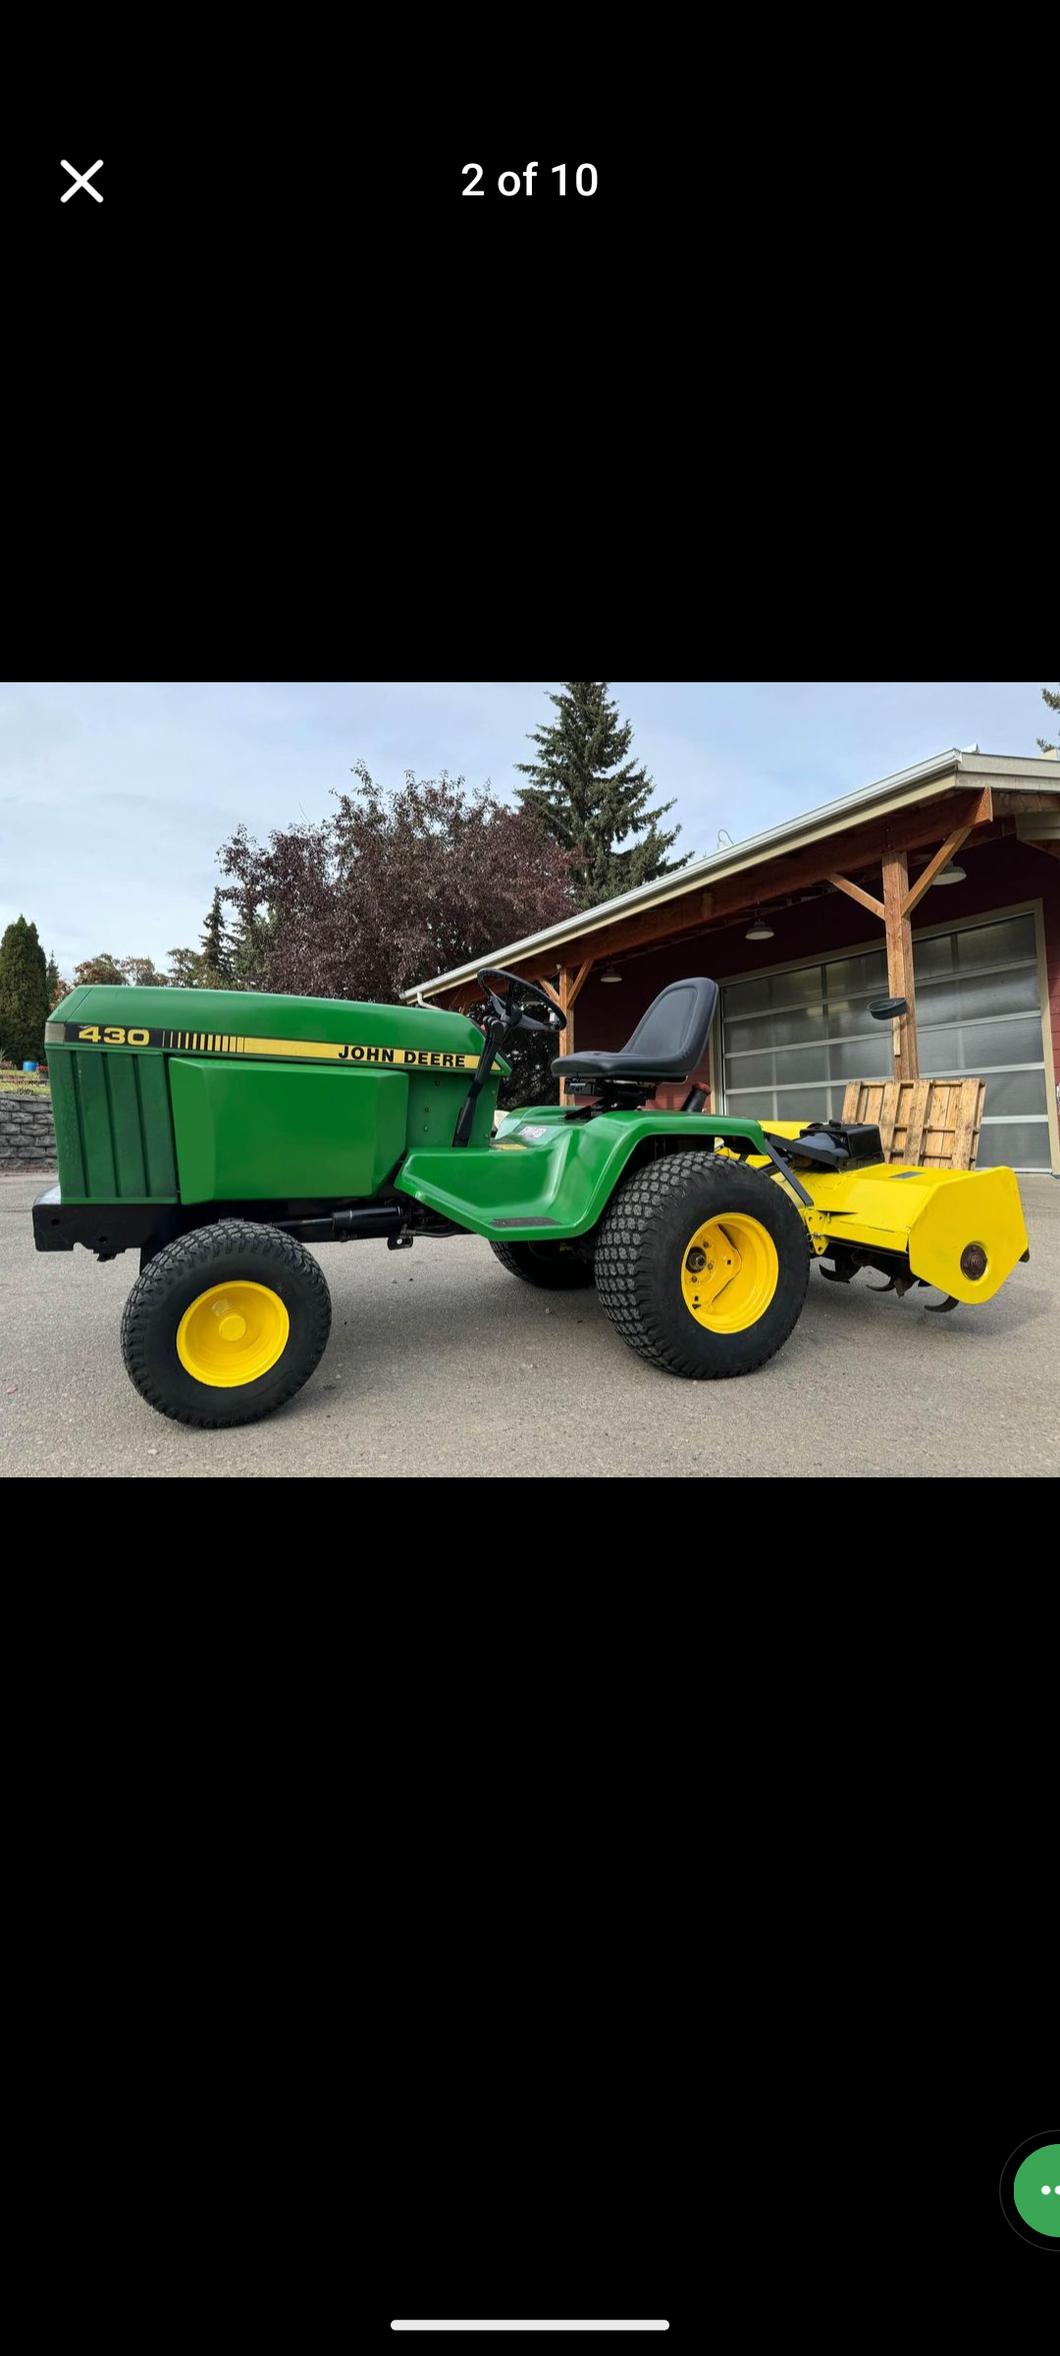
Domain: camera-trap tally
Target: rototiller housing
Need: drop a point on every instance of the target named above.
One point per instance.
(220, 1134)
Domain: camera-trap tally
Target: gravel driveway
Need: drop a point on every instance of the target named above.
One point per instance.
(439, 1362)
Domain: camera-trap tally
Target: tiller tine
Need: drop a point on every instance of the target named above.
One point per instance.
(939, 1308)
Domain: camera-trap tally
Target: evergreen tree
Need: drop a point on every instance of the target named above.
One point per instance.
(24, 1004)
(591, 796)
(210, 967)
(251, 939)
(1053, 702)
(56, 984)
(216, 954)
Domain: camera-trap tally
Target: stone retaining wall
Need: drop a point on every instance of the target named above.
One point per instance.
(27, 1133)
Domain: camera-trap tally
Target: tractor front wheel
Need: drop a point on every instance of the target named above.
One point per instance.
(225, 1324)
(702, 1265)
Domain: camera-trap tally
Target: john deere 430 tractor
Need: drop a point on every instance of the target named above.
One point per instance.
(219, 1134)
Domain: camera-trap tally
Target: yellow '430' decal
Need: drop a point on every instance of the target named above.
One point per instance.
(230, 1043)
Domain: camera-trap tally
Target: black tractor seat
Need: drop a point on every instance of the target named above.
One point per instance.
(669, 1042)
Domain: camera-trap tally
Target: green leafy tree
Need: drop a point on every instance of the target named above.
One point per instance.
(591, 796)
(190, 970)
(1053, 702)
(24, 1003)
(185, 969)
(142, 974)
(99, 969)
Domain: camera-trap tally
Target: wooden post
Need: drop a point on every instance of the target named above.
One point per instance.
(566, 1047)
(900, 962)
(570, 983)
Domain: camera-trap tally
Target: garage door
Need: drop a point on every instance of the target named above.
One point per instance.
(792, 1041)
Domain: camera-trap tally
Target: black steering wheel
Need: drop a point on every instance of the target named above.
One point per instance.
(513, 1009)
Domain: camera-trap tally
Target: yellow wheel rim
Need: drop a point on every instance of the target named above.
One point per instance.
(729, 1273)
(232, 1334)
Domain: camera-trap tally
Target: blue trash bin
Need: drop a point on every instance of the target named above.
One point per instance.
(29, 1067)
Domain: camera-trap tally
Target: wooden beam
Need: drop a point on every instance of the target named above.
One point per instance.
(857, 848)
(1025, 801)
(854, 851)
(1041, 842)
(580, 978)
(690, 914)
(843, 884)
(900, 962)
(941, 859)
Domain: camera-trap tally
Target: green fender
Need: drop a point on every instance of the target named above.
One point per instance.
(546, 1176)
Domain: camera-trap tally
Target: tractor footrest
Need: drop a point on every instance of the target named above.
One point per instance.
(524, 1222)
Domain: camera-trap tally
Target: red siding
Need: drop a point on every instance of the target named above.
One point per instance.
(998, 874)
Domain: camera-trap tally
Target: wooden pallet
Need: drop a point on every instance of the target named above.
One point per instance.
(933, 1124)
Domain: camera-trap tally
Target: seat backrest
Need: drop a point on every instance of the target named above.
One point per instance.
(677, 1026)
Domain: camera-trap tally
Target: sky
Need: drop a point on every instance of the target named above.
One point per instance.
(114, 799)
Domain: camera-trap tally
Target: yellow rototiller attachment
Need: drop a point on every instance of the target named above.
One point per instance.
(960, 1230)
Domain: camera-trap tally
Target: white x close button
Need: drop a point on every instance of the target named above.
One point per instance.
(80, 180)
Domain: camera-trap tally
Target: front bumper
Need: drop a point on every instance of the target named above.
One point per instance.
(105, 1228)
(49, 1232)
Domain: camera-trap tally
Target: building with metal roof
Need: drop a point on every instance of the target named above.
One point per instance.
(939, 884)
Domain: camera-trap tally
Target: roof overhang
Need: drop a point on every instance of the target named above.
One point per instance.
(945, 773)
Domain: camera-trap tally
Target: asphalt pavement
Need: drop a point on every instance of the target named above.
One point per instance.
(441, 1363)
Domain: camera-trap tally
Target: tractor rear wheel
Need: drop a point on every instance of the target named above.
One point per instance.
(225, 1324)
(556, 1267)
(702, 1265)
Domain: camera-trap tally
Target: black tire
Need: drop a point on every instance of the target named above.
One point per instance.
(556, 1267)
(640, 1257)
(232, 1251)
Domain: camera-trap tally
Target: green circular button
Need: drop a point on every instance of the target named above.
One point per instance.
(1036, 2190)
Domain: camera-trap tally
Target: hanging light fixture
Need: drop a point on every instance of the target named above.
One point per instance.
(951, 873)
(610, 974)
(759, 930)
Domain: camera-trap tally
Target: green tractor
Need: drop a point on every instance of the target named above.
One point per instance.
(219, 1153)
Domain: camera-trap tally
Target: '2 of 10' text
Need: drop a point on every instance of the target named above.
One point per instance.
(510, 183)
